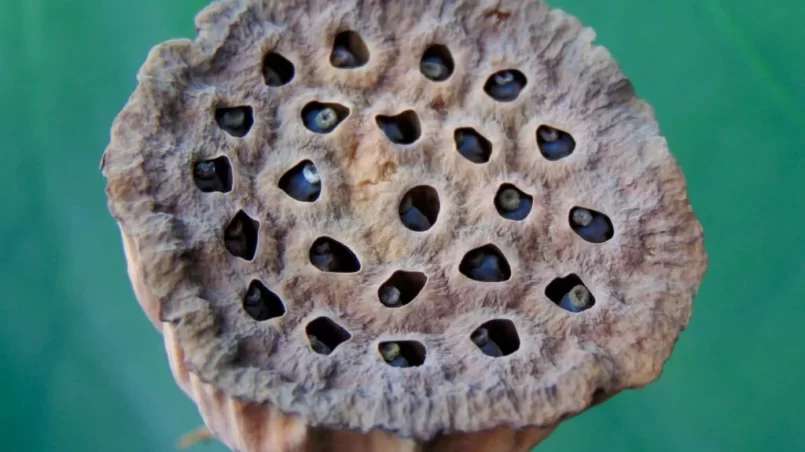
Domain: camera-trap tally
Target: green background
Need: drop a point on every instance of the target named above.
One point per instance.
(83, 370)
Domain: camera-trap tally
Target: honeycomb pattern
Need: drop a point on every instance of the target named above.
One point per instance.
(438, 209)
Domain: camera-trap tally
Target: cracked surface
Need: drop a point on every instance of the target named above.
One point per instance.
(644, 278)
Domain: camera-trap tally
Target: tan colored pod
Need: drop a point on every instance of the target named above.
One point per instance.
(421, 225)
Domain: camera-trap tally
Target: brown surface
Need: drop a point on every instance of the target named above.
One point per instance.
(644, 278)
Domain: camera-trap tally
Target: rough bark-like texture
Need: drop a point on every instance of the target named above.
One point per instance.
(644, 278)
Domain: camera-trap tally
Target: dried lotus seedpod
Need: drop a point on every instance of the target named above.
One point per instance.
(399, 226)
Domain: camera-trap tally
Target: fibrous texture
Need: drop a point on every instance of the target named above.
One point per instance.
(423, 217)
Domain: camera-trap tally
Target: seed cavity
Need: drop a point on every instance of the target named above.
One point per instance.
(512, 203)
(591, 225)
(485, 264)
(236, 121)
(349, 51)
(323, 118)
(329, 255)
(472, 145)
(419, 208)
(570, 293)
(401, 288)
(261, 303)
(554, 144)
(496, 338)
(437, 63)
(213, 175)
(302, 182)
(240, 236)
(402, 353)
(277, 70)
(505, 86)
(403, 128)
(325, 335)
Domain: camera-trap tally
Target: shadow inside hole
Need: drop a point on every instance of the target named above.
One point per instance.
(323, 118)
(419, 208)
(329, 255)
(591, 225)
(512, 203)
(403, 128)
(261, 303)
(240, 236)
(325, 335)
(302, 182)
(402, 353)
(437, 63)
(349, 51)
(554, 144)
(213, 175)
(570, 293)
(236, 121)
(506, 85)
(277, 70)
(472, 145)
(485, 264)
(401, 288)
(496, 338)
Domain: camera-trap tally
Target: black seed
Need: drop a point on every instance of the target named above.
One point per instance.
(277, 70)
(329, 255)
(349, 51)
(485, 264)
(236, 121)
(402, 353)
(591, 225)
(401, 288)
(213, 175)
(437, 63)
(323, 118)
(554, 144)
(496, 338)
(419, 208)
(240, 236)
(570, 293)
(261, 303)
(403, 128)
(325, 335)
(512, 203)
(302, 182)
(472, 145)
(505, 86)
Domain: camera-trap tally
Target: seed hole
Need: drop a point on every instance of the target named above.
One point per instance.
(240, 236)
(402, 353)
(236, 121)
(323, 118)
(329, 255)
(261, 303)
(512, 203)
(349, 51)
(302, 182)
(401, 288)
(419, 208)
(213, 175)
(325, 335)
(277, 70)
(485, 264)
(403, 128)
(570, 293)
(472, 145)
(437, 63)
(591, 225)
(554, 144)
(496, 338)
(505, 86)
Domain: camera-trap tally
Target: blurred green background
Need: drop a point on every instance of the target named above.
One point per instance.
(83, 370)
